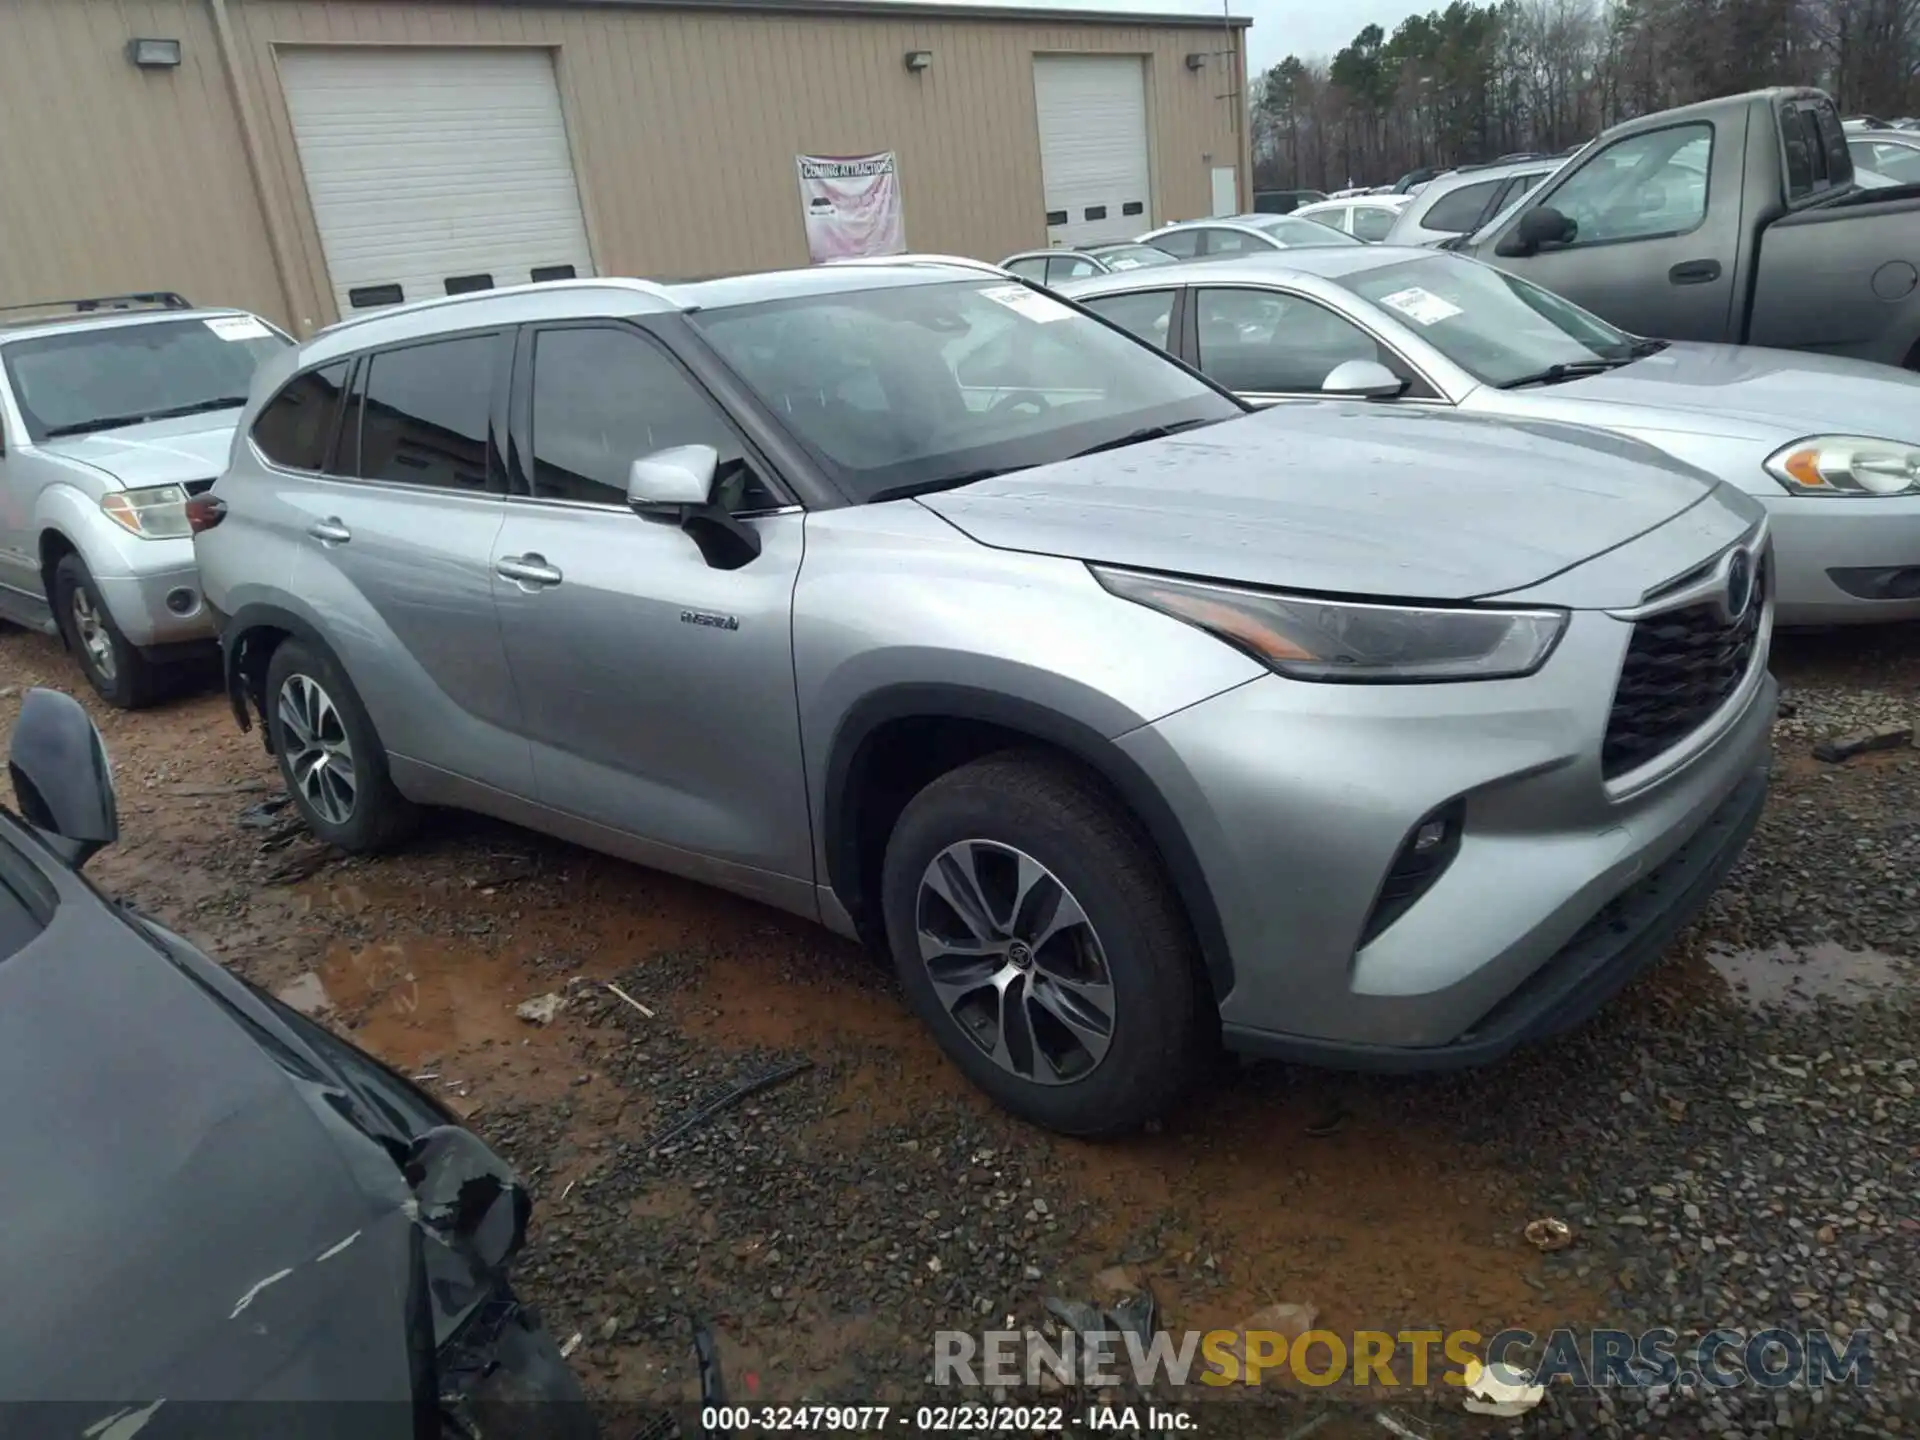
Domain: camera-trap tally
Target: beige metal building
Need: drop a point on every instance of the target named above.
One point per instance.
(304, 157)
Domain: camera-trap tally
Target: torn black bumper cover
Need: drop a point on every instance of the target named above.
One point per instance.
(245, 684)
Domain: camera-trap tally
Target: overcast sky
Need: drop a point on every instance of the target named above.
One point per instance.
(1307, 28)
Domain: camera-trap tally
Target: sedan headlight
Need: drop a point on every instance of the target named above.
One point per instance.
(1847, 465)
(1349, 641)
(156, 512)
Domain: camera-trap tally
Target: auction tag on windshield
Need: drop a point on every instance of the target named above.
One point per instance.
(1030, 303)
(238, 327)
(1422, 307)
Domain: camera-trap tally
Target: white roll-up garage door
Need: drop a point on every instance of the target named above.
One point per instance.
(433, 172)
(1093, 146)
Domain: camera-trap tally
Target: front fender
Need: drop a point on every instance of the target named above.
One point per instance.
(107, 550)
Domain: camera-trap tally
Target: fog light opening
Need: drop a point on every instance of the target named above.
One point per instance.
(1421, 860)
(182, 600)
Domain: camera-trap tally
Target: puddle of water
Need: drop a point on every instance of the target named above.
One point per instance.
(1783, 975)
(308, 995)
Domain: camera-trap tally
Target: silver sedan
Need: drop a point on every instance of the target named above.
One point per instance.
(1830, 446)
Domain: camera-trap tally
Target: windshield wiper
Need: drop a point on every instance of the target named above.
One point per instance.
(1565, 370)
(103, 422)
(200, 407)
(1135, 437)
(944, 482)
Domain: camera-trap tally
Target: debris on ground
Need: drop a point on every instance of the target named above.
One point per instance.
(1504, 1392)
(307, 995)
(1549, 1234)
(725, 1096)
(572, 1343)
(301, 864)
(198, 792)
(541, 1009)
(1858, 742)
(1394, 1425)
(265, 814)
(630, 1000)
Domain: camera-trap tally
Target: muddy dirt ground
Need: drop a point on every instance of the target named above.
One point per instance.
(830, 1224)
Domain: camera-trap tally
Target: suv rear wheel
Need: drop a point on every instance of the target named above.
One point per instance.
(331, 758)
(118, 672)
(1036, 935)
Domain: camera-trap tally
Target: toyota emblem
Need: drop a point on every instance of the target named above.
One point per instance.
(1739, 585)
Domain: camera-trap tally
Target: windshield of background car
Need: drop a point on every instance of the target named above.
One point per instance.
(916, 385)
(1494, 325)
(1295, 233)
(76, 381)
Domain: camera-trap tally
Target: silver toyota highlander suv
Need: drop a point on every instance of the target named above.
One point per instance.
(923, 603)
(113, 411)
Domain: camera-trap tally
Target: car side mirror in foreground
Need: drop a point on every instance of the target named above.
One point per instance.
(1538, 228)
(677, 487)
(62, 780)
(1362, 380)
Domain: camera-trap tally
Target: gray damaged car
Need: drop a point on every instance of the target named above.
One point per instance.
(927, 605)
(113, 411)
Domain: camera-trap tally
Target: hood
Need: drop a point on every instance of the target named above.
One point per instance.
(186, 1217)
(1341, 498)
(161, 452)
(1735, 391)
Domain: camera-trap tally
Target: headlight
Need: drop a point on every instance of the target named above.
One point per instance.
(1352, 642)
(157, 512)
(1847, 465)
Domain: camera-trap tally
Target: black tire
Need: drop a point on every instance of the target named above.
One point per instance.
(1056, 815)
(120, 674)
(377, 816)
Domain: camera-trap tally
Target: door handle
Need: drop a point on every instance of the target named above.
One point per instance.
(528, 571)
(1694, 272)
(330, 531)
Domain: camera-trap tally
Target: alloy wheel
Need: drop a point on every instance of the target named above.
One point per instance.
(319, 754)
(1015, 961)
(91, 628)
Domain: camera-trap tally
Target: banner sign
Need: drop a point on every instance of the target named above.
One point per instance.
(852, 206)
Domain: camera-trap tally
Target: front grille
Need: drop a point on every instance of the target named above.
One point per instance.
(1681, 667)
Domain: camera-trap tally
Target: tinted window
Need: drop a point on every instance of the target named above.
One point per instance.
(424, 413)
(294, 428)
(1372, 222)
(604, 398)
(1458, 211)
(1184, 243)
(1034, 268)
(1258, 341)
(918, 385)
(1144, 313)
(1647, 185)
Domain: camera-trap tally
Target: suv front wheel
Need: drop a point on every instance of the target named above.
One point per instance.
(1037, 936)
(331, 758)
(118, 672)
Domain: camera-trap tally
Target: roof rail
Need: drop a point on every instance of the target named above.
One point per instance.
(142, 300)
(434, 302)
(960, 261)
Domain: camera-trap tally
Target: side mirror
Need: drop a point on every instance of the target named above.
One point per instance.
(1362, 380)
(677, 487)
(469, 1195)
(1538, 228)
(62, 780)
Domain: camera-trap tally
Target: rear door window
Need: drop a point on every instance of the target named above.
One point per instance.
(1372, 222)
(1459, 211)
(1034, 267)
(1146, 314)
(425, 414)
(1069, 267)
(1262, 342)
(294, 430)
(1185, 242)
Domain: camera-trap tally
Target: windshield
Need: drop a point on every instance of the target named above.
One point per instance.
(1496, 326)
(916, 386)
(77, 381)
(1296, 233)
(1132, 257)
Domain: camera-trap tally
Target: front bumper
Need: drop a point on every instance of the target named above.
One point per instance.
(159, 601)
(1874, 544)
(1297, 798)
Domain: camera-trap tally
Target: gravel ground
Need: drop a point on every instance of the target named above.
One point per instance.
(1735, 1142)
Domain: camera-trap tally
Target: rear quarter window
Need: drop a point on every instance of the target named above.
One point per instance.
(294, 429)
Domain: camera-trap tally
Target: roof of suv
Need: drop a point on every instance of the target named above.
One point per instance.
(625, 296)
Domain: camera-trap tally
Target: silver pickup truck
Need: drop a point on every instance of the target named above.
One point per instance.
(113, 412)
(1738, 221)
